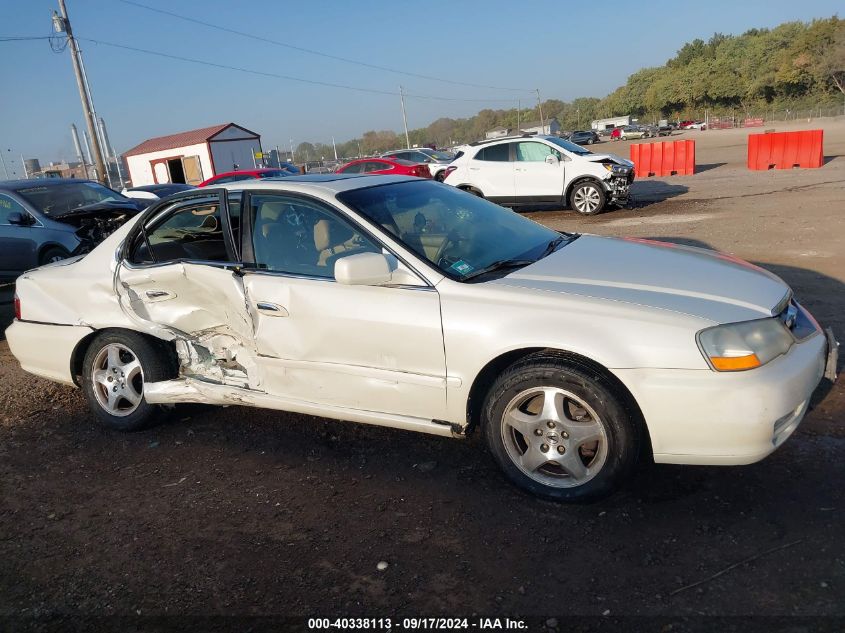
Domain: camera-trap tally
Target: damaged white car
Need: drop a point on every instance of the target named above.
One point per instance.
(408, 303)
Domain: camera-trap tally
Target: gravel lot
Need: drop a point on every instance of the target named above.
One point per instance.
(237, 511)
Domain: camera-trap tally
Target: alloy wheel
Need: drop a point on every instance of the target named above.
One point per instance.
(554, 437)
(586, 199)
(118, 379)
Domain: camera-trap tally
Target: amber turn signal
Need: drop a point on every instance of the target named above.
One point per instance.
(735, 363)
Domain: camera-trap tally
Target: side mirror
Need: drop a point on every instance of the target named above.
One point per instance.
(363, 269)
(18, 218)
(551, 159)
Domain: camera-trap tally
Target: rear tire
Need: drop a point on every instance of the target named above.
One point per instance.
(52, 254)
(588, 198)
(117, 364)
(559, 431)
(439, 176)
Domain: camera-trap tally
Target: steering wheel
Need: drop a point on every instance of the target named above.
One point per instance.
(453, 237)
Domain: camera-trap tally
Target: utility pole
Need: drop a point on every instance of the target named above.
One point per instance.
(25, 172)
(334, 147)
(5, 171)
(404, 118)
(518, 108)
(540, 107)
(61, 24)
(292, 159)
(104, 146)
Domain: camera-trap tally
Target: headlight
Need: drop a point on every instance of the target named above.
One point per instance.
(746, 345)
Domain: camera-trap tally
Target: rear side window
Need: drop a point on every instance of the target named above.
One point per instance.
(377, 166)
(190, 233)
(494, 153)
(353, 169)
(226, 179)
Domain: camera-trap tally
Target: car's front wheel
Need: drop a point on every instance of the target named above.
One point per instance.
(114, 371)
(560, 431)
(52, 255)
(588, 198)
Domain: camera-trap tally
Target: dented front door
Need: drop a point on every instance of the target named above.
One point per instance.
(363, 347)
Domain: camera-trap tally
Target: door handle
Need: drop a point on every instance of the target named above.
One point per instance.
(272, 309)
(474, 168)
(159, 294)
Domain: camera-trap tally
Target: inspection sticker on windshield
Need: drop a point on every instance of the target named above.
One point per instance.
(461, 267)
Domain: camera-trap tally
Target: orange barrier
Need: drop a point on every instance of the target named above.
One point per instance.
(669, 158)
(785, 150)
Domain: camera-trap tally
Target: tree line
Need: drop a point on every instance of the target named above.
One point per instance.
(792, 65)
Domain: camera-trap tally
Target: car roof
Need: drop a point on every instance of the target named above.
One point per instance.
(489, 141)
(14, 185)
(330, 183)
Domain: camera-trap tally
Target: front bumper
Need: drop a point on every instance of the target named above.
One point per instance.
(709, 417)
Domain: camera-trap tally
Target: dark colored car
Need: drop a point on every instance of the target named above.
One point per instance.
(251, 174)
(47, 220)
(390, 166)
(584, 137)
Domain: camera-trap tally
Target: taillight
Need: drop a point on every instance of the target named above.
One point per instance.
(17, 307)
(448, 171)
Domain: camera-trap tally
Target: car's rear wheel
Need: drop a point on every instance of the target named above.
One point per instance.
(588, 198)
(440, 175)
(559, 431)
(52, 254)
(114, 371)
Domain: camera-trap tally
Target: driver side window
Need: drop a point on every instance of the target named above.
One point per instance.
(302, 237)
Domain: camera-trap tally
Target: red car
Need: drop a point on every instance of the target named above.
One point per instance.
(389, 166)
(246, 174)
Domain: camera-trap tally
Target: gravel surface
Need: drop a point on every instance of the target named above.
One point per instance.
(239, 511)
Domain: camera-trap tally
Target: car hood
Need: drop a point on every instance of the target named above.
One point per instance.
(695, 281)
(102, 209)
(599, 158)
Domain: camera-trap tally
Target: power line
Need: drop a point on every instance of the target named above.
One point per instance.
(265, 73)
(320, 53)
(23, 38)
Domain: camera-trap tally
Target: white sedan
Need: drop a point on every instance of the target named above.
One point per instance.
(408, 303)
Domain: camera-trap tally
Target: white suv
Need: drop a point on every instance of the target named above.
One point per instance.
(530, 169)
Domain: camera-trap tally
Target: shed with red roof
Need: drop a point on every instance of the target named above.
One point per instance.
(193, 156)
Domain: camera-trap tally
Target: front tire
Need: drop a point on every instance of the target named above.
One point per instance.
(588, 198)
(560, 431)
(52, 255)
(115, 368)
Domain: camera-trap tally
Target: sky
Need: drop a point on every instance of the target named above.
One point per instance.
(565, 49)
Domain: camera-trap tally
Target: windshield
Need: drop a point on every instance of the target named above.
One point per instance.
(568, 146)
(459, 233)
(55, 200)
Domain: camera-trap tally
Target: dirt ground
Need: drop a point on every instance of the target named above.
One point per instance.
(246, 512)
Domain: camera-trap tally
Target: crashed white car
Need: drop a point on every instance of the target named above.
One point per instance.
(531, 170)
(408, 303)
